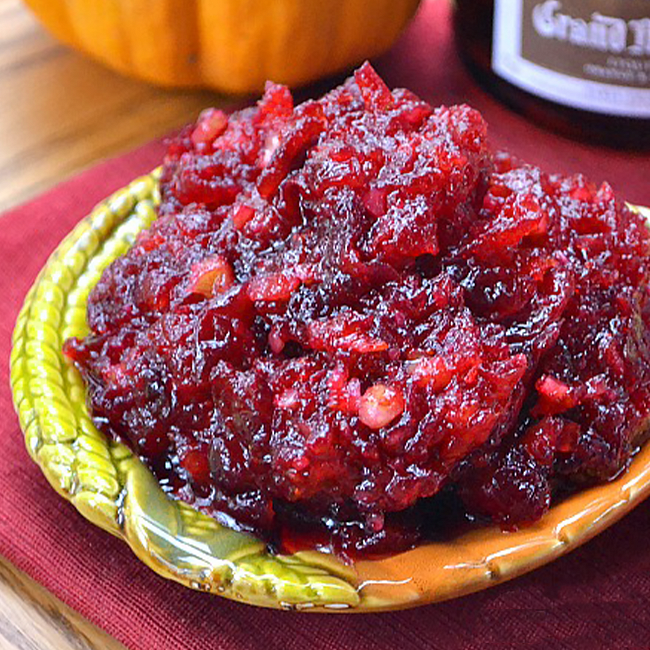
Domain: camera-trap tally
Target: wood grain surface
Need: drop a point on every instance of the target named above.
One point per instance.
(60, 113)
(33, 619)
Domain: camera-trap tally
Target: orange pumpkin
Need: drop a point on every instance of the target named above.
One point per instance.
(228, 45)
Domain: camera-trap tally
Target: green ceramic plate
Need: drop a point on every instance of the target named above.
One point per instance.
(115, 491)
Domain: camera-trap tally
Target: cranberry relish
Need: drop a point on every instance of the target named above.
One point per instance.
(352, 305)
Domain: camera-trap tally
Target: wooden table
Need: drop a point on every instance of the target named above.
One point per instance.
(60, 113)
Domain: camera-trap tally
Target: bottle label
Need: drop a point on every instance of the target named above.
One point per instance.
(588, 54)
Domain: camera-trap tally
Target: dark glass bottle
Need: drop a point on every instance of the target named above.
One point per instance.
(580, 67)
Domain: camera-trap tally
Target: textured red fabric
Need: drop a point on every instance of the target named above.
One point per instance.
(599, 596)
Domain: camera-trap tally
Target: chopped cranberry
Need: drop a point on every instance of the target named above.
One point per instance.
(210, 276)
(351, 309)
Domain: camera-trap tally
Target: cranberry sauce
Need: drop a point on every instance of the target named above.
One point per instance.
(352, 304)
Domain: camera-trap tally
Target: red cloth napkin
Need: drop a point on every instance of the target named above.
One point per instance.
(599, 596)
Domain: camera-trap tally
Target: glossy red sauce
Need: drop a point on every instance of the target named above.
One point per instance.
(353, 310)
